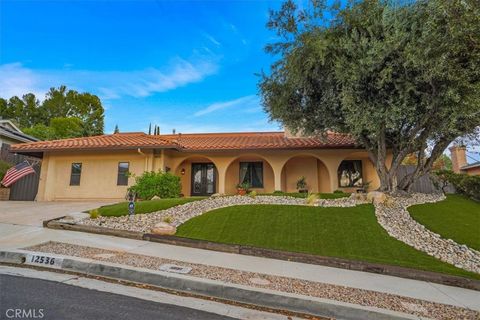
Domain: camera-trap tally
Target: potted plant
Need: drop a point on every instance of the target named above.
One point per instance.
(302, 185)
(4, 192)
(242, 188)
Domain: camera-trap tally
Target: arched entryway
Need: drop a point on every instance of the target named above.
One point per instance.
(313, 169)
(253, 169)
(198, 175)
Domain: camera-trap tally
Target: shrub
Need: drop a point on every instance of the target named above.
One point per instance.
(161, 184)
(302, 183)
(311, 199)
(338, 191)
(463, 183)
(253, 194)
(94, 213)
(167, 219)
(277, 192)
(4, 166)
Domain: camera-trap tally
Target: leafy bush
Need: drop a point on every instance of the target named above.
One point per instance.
(338, 191)
(253, 194)
(463, 183)
(161, 184)
(4, 166)
(302, 183)
(168, 219)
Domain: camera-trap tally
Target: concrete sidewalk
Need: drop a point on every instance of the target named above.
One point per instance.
(17, 237)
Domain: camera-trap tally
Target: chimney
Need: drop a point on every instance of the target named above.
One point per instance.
(459, 157)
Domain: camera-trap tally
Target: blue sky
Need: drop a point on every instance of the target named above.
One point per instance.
(188, 65)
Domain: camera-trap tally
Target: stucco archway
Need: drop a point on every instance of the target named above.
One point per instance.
(309, 166)
(232, 174)
(369, 174)
(184, 171)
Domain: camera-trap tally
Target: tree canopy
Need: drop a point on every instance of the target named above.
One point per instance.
(63, 114)
(400, 77)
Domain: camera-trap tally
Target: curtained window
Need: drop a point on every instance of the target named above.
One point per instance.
(75, 174)
(252, 173)
(350, 173)
(122, 175)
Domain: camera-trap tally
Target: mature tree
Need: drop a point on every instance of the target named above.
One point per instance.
(400, 78)
(36, 118)
(85, 106)
(58, 128)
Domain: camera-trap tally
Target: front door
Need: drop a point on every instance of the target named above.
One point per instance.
(203, 179)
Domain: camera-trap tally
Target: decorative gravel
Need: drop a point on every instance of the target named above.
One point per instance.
(362, 297)
(180, 214)
(395, 219)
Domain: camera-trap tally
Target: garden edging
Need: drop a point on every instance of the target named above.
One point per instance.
(274, 254)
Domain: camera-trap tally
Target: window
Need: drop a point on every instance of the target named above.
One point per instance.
(122, 177)
(75, 174)
(252, 173)
(350, 173)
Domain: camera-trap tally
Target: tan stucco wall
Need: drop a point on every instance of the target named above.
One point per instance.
(99, 170)
(98, 179)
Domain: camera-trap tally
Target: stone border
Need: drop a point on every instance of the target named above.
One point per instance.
(217, 289)
(396, 271)
(394, 217)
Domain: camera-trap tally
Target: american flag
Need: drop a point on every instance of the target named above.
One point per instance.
(17, 172)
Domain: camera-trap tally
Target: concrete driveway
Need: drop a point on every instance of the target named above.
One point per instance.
(33, 213)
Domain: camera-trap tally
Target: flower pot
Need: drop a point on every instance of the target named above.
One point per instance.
(303, 190)
(241, 192)
(4, 194)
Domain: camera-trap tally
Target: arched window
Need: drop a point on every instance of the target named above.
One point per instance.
(350, 174)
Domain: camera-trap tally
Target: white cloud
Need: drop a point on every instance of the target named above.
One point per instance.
(16, 79)
(212, 39)
(246, 103)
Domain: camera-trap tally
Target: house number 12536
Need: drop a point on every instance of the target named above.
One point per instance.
(36, 259)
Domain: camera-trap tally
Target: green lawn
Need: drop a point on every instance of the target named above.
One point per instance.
(334, 195)
(121, 209)
(456, 218)
(351, 233)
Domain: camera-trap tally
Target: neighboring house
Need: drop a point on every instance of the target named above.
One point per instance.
(95, 167)
(10, 134)
(460, 164)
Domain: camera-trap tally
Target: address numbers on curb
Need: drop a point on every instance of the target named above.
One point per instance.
(43, 260)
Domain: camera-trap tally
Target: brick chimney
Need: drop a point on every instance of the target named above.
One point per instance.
(459, 157)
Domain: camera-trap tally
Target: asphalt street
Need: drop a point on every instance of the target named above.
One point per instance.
(29, 298)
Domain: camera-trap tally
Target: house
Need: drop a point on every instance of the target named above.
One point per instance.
(460, 164)
(207, 163)
(10, 134)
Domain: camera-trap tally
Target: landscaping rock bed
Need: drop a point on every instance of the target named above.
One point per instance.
(420, 308)
(395, 219)
(180, 214)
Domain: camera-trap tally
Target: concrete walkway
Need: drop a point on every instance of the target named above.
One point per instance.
(16, 237)
(33, 213)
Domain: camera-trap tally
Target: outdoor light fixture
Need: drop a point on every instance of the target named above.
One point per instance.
(183, 171)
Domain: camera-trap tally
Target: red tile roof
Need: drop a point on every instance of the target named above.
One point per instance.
(194, 142)
(256, 140)
(131, 140)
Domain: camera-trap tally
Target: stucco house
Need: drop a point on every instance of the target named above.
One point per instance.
(208, 163)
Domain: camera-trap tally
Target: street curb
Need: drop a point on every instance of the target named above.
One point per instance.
(377, 268)
(217, 289)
